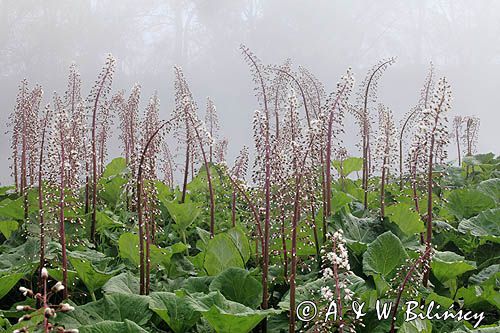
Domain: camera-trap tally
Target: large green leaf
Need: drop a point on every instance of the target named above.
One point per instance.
(241, 241)
(23, 258)
(384, 255)
(448, 265)
(406, 218)
(7, 227)
(221, 253)
(92, 278)
(8, 281)
(113, 327)
(339, 201)
(485, 225)
(125, 283)
(12, 209)
(358, 232)
(349, 165)
(465, 203)
(128, 246)
(183, 214)
(227, 316)
(113, 190)
(491, 187)
(116, 167)
(236, 284)
(416, 326)
(112, 307)
(175, 310)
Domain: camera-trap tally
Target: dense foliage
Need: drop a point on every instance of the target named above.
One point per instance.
(122, 248)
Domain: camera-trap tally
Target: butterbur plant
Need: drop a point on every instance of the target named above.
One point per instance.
(385, 150)
(262, 176)
(366, 97)
(183, 130)
(41, 206)
(47, 308)
(334, 110)
(97, 102)
(212, 124)
(238, 172)
(167, 166)
(409, 276)
(144, 237)
(470, 137)
(336, 271)
(60, 167)
(24, 144)
(457, 133)
(411, 118)
(432, 137)
(471, 133)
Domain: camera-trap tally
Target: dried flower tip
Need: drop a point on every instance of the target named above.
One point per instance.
(58, 287)
(65, 307)
(26, 291)
(25, 317)
(45, 273)
(49, 312)
(23, 308)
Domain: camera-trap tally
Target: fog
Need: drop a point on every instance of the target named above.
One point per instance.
(40, 39)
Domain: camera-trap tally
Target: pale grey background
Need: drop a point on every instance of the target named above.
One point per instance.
(39, 40)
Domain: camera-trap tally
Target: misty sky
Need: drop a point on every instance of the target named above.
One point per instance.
(40, 39)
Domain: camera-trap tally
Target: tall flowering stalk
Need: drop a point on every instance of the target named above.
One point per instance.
(144, 259)
(220, 150)
(149, 167)
(409, 275)
(336, 271)
(129, 123)
(314, 91)
(24, 144)
(367, 96)
(263, 145)
(432, 137)
(195, 135)
(386, 147)
(302, 172)
(238, 171)
(458, 122)
(167, 167)
(97, 102)
(471, 133)
(49, 309)
(60, 166)
(204, 139)
(333, 115)
(41, 208)
(212, 123)
(412, 117)
(470, 137)
(278, 94)
(183, 130)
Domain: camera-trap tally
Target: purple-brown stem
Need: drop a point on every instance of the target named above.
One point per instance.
(40, 196)
(401, 289)
(209, 178)
(143, 284)
(62, 232)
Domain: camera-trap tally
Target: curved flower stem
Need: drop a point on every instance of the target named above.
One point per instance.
(144, 285)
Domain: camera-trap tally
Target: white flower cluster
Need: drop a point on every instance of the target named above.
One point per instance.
(335, 263)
